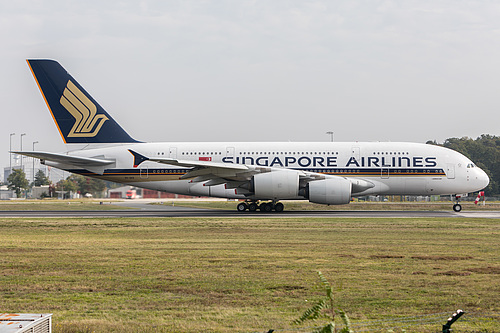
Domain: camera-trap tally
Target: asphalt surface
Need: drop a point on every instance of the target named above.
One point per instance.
(143, 209)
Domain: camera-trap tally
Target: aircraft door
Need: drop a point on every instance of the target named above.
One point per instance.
(384, 173)
(450, 171)
(229, 151)
(144, 172)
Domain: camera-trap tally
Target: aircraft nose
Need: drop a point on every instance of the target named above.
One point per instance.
(482, 178)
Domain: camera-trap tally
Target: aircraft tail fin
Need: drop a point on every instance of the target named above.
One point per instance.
(79, 118)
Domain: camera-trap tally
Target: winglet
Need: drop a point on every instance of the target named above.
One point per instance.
(138, 158)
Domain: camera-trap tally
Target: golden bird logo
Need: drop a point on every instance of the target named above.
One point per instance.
(87, 122)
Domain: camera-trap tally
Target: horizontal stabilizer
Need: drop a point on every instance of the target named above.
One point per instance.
(93, 164)
(62, 158)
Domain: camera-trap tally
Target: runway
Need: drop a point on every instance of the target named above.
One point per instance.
(166, 211)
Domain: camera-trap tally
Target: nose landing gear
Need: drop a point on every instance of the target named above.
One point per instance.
(457, 207)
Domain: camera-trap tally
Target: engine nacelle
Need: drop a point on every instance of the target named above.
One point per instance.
(331, 191)
(276, 185)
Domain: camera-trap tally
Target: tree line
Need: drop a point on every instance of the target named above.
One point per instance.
(484, 151)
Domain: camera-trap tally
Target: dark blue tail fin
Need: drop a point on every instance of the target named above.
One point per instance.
(79, 118)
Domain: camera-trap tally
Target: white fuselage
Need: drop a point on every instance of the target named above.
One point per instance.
(392, 168)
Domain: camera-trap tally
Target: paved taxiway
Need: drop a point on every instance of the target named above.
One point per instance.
(173, 211)
(144, 208)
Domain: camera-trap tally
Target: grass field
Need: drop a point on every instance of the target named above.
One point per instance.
(54, 204)
(244, 275)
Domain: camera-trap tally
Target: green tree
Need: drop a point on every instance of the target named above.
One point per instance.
(78, 181)
(41, 179)
(97, 186)
(66, 185)
(17, 181)
(84, 185)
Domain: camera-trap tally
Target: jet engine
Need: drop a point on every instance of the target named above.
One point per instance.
(331, 191)
(276, 185)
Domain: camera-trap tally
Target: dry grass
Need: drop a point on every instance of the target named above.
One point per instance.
(54, 204)
(245, 275)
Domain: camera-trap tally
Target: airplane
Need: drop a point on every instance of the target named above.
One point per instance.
(260, 174)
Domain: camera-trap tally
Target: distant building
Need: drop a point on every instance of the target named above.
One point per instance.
(6, 194)
(38, 192)
(121, 193)
(6, 173)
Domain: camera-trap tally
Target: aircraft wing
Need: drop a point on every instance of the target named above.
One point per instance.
(93, 164)
(233, 175)
(204, 170)
(204, 164)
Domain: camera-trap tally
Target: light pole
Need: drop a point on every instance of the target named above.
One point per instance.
(331, 135)
(34, 142)
(22, 149)
(10, 154)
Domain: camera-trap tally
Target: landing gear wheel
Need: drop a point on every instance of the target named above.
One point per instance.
(252, 207)
(457, 207)
(242, 207)
(279, 207)
(267, 207)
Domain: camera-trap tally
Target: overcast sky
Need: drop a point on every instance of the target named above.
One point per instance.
(277, 70)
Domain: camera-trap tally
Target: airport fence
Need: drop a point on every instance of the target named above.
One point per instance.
(470, 322)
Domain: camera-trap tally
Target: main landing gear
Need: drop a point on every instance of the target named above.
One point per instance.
(457, 207)
(253, 206)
